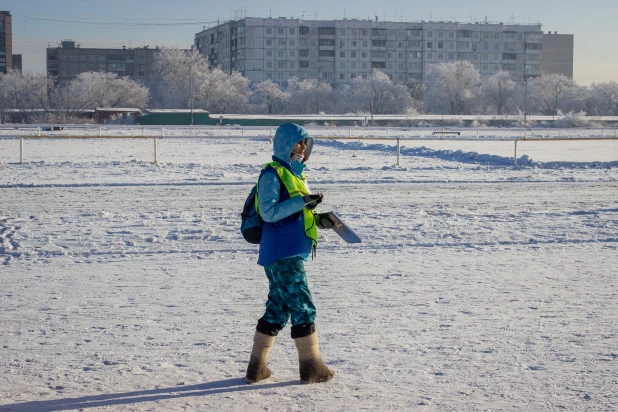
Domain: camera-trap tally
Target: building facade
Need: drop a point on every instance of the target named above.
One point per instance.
(68, 60)
(558, 54)
(338, 51)
(6, 41)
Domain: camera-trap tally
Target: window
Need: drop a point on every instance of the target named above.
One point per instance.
(281, 64)
(440, 45)
(533, 46)
(141, 66)
(451, 46)
(269, 30)
(378, 43)
(440, 34)
(303, 64)
(303, 30)
(353, 43)
(342, 65)
(269, 42)
(292, 31)
(326, 31)
(509, 56)
(292, 41)
(141, 74)
(292, 65)
(430, 55)
(269, 75)
(414, 55)
(414, 43)
(280, 30)
(377, 53)
(269, 53)
(280, 53)
(414, 33)
(353, 65)
(465, 34)
(429, 34)
(326, 42)
(342, 32)
(400, 44)
(364, 65)
(378, 32)
(269, 65)
(378, 65)
(429, 45)
(326, 53)
(341, 54)
(464, 45)
(303, 53)
(280, 42)
(292, 53)
(353, 54)
(341, 76)
(365, 43)
(364, 32)
(364, 55)
(352, 32)
(341, 43)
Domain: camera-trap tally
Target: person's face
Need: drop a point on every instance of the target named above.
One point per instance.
(300, 147)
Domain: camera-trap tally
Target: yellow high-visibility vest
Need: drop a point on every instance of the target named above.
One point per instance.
(295, 187)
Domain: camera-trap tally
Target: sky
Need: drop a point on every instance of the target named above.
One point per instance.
(38, 24)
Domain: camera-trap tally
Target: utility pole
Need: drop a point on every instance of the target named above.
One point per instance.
(525, 95)
(191, 89)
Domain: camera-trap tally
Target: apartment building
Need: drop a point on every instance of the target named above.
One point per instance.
(68, 60)
(6, 41)
(338, 51)
(558, 54)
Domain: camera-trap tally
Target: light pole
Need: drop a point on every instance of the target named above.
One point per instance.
(525, 94)
(191, 90)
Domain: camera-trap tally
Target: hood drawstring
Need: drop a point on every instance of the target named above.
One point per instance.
(314, 252)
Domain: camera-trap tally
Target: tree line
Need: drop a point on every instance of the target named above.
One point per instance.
(187, 81)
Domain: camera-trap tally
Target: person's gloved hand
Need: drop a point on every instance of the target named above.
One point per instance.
(311, 201)
(322, 221)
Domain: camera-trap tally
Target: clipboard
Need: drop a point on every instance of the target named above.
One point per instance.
(344, 231)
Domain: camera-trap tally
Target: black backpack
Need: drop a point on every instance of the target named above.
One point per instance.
(251, 223)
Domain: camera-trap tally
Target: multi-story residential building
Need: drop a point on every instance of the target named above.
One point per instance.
(68, 60)
(6, 41)
(558, 54)
(338, 51)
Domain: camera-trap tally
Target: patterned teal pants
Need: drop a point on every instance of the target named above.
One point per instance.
(289, 294)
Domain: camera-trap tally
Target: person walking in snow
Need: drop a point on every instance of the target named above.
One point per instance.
(289, 237)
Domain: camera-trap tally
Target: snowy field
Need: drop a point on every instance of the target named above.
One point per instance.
(479, 285)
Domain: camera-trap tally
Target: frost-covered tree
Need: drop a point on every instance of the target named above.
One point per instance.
(452, 87)
(188, 82)
(552, 93)
(309, 96)
(497, 92)
(218, 92)
(179, 69)
(601, 99)
(377, 94)
(271, 97)
(90, 90)
(24, 92)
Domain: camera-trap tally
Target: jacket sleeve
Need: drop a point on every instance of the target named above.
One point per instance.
(271, 209)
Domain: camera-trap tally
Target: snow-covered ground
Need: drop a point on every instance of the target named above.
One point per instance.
(126, 285)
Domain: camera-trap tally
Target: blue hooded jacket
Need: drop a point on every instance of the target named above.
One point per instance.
(283, 234)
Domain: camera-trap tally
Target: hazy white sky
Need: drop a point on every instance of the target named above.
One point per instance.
(112, 23)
